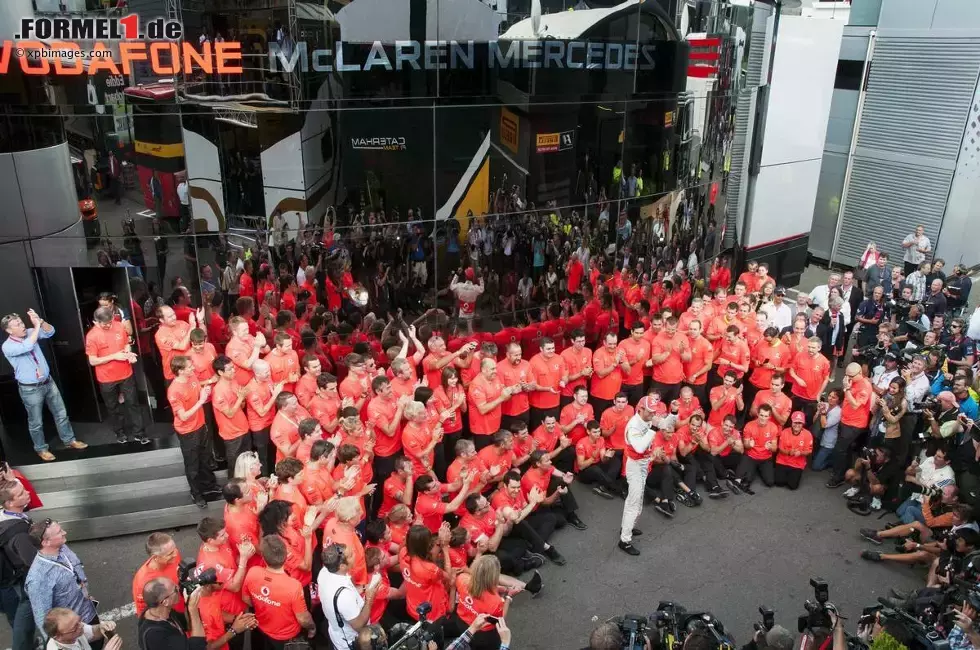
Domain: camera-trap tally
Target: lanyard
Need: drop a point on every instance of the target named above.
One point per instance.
(70, 568)
(37, 366)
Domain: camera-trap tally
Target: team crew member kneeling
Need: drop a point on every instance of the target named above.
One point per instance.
(760, 438)
(595, 464)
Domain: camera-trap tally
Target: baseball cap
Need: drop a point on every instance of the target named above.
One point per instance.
(891, 356)
(798, 416)
(647, 403)
(780, 291)
(469, 274)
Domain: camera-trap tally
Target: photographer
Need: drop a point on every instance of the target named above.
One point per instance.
(373, 637)
(942, 422)
(876, 474)
(608, 636)
(965, 634)
(343, 607)
(158, 629)
(775, 638)
(934, 473)
(922, 540)
(916, 382)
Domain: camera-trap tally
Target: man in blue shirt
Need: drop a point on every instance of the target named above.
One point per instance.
(961, 389)
(34, 381)
(57, 577)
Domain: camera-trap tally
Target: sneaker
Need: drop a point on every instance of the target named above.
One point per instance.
(717, 492)
(876, 503)
(603, 492)
(122, 440)
(871, 556)
(532, 562)
(531, 556)
(850, 492)
(747, 488)
(734, 486)
(77, 444)
(871, 535)
(555, 556)
(730, 474)
(835, 482)
(576, 522)
(534, 585)
(685, 499)
(664, 509)
(143, 440)
(629, 549)
(695, 496)
(672, 507)
(637, 532)
(200, 502)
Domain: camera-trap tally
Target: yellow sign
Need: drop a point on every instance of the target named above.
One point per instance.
(175, 150)
(510, 131)
(547, 142)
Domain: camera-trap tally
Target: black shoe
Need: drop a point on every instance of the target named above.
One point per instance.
(603, 492)
(672, 507)
(143, 440)
(534, 585)
(122, 440)
(629, 549)
(730, 474)
(695, 496)
(871, 556)
(663, 508)
(871, 535)
(717, 492)
(747, 488)
(685, 499)
(532, 562)
(555, 556)
(734, 486)
(637, 532)
(576, 522)
(835, 482)
(200, 502)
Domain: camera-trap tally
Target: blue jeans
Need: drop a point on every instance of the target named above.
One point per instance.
(34, 398)
(910, 511)
(821, 459)
(17, 608)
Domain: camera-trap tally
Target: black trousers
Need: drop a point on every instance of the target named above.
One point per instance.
(701, 392)
(605, 473)
(565, 460)
(660, 481)
(689, 473)
(538, 415)
(787, 476)
(449, 441)
(809, 408)
(263, 448)
(724, 464)
(634, 392)
(707, 464)
(668, 392)
(509, 553)
(537, 528)
(480, 441)
(193, 447)
(846, 436)
(126, 417)
(599, 406)
(748, 467)
(235, 448)
(748, 396)
(566, 505)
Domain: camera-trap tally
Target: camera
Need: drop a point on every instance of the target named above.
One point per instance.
(635, 630)
(768, 619)
(413, 637)
(818, 610)
(189, 578)
(930, 403)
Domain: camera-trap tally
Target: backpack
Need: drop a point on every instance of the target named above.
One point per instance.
(12, 568)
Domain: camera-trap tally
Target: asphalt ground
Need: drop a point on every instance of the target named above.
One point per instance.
(728, 556)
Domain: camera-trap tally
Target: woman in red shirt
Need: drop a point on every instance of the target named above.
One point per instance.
(479, 592)
(450, 396)
(425, 580)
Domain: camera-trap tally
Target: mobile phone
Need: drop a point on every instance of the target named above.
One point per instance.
(492, 620)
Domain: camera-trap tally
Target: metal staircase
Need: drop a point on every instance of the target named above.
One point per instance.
(118, 495)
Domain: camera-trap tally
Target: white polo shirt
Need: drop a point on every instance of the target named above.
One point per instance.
(349, 603)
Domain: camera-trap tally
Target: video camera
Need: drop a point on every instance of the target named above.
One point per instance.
(925, 635)
(189, 579)
(675, 624)
(413, 637)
